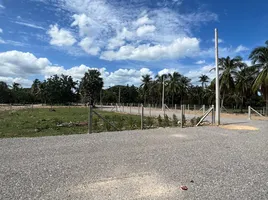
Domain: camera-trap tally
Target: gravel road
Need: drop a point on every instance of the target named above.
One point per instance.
(214, 163)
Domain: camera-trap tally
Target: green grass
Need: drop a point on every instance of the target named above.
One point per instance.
(43, 122)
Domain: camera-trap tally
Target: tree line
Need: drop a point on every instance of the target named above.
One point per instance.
(240, 85)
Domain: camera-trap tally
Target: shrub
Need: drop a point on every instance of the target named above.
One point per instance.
(149, 122)
(166, 121)
(175, 120)
(160, 121)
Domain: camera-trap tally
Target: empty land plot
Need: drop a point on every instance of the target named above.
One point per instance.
(213, 162)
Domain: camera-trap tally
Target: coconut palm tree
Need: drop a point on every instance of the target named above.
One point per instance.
(173, 84)
(244, 79)
(227, 68)
(203, 79)
(184, 84)
(91, 85)
(160, 80)
(145, 86)
(259, 57)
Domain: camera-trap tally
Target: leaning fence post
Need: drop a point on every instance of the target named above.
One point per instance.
(249, 112)
(142, 112)
(90, 119)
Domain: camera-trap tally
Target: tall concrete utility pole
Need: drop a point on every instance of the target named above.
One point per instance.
(163, 94)
(217, 79)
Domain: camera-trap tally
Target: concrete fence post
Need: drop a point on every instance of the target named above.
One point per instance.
(142, 113)
(204, 109)
(188, 108)
(175, 107)
(90, 119)
(150, 110)
(249, 112)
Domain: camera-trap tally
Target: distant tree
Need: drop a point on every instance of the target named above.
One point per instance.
(5, 93)
(36, 90)
(173, 87)
(145, 86)
(90, 86)
(203, 79)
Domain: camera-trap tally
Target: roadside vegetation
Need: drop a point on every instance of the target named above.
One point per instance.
(73, 120)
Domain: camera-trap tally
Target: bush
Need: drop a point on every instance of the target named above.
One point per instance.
(131, 123)
(149, 122)
(175, 120)
(166, 121)
(160, 121)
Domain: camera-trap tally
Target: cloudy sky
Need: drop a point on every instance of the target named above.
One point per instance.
(124, 39)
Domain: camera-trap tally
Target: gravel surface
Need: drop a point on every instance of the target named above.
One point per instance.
(214, 163)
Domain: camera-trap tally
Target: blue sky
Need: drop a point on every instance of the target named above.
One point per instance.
(124, 39)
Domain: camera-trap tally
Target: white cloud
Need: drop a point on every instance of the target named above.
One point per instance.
(200, 62)
(1, 30)
(2, 7)
(143, 20)
(2, 41)
(120, 24)
(24, 82)
(241, 48)
(30, 25)
(60, 37)
(125, 76)
(14, 63)
(195, 73)
(166, 71)
(120, 38)
(223, 51)
(145, 29)
(177, 49)
(87, 45)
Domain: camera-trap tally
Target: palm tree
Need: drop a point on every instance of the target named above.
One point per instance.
(227, 68)
(91, 85)
(259, 57)
(244, 78)
(203, 79)
(160, 79)
(184, 84)
(146, 80)
(173, 84)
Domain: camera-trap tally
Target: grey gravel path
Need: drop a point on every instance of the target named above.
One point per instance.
(214, 163)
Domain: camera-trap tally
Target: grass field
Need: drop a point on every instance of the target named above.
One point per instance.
(64, 121)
